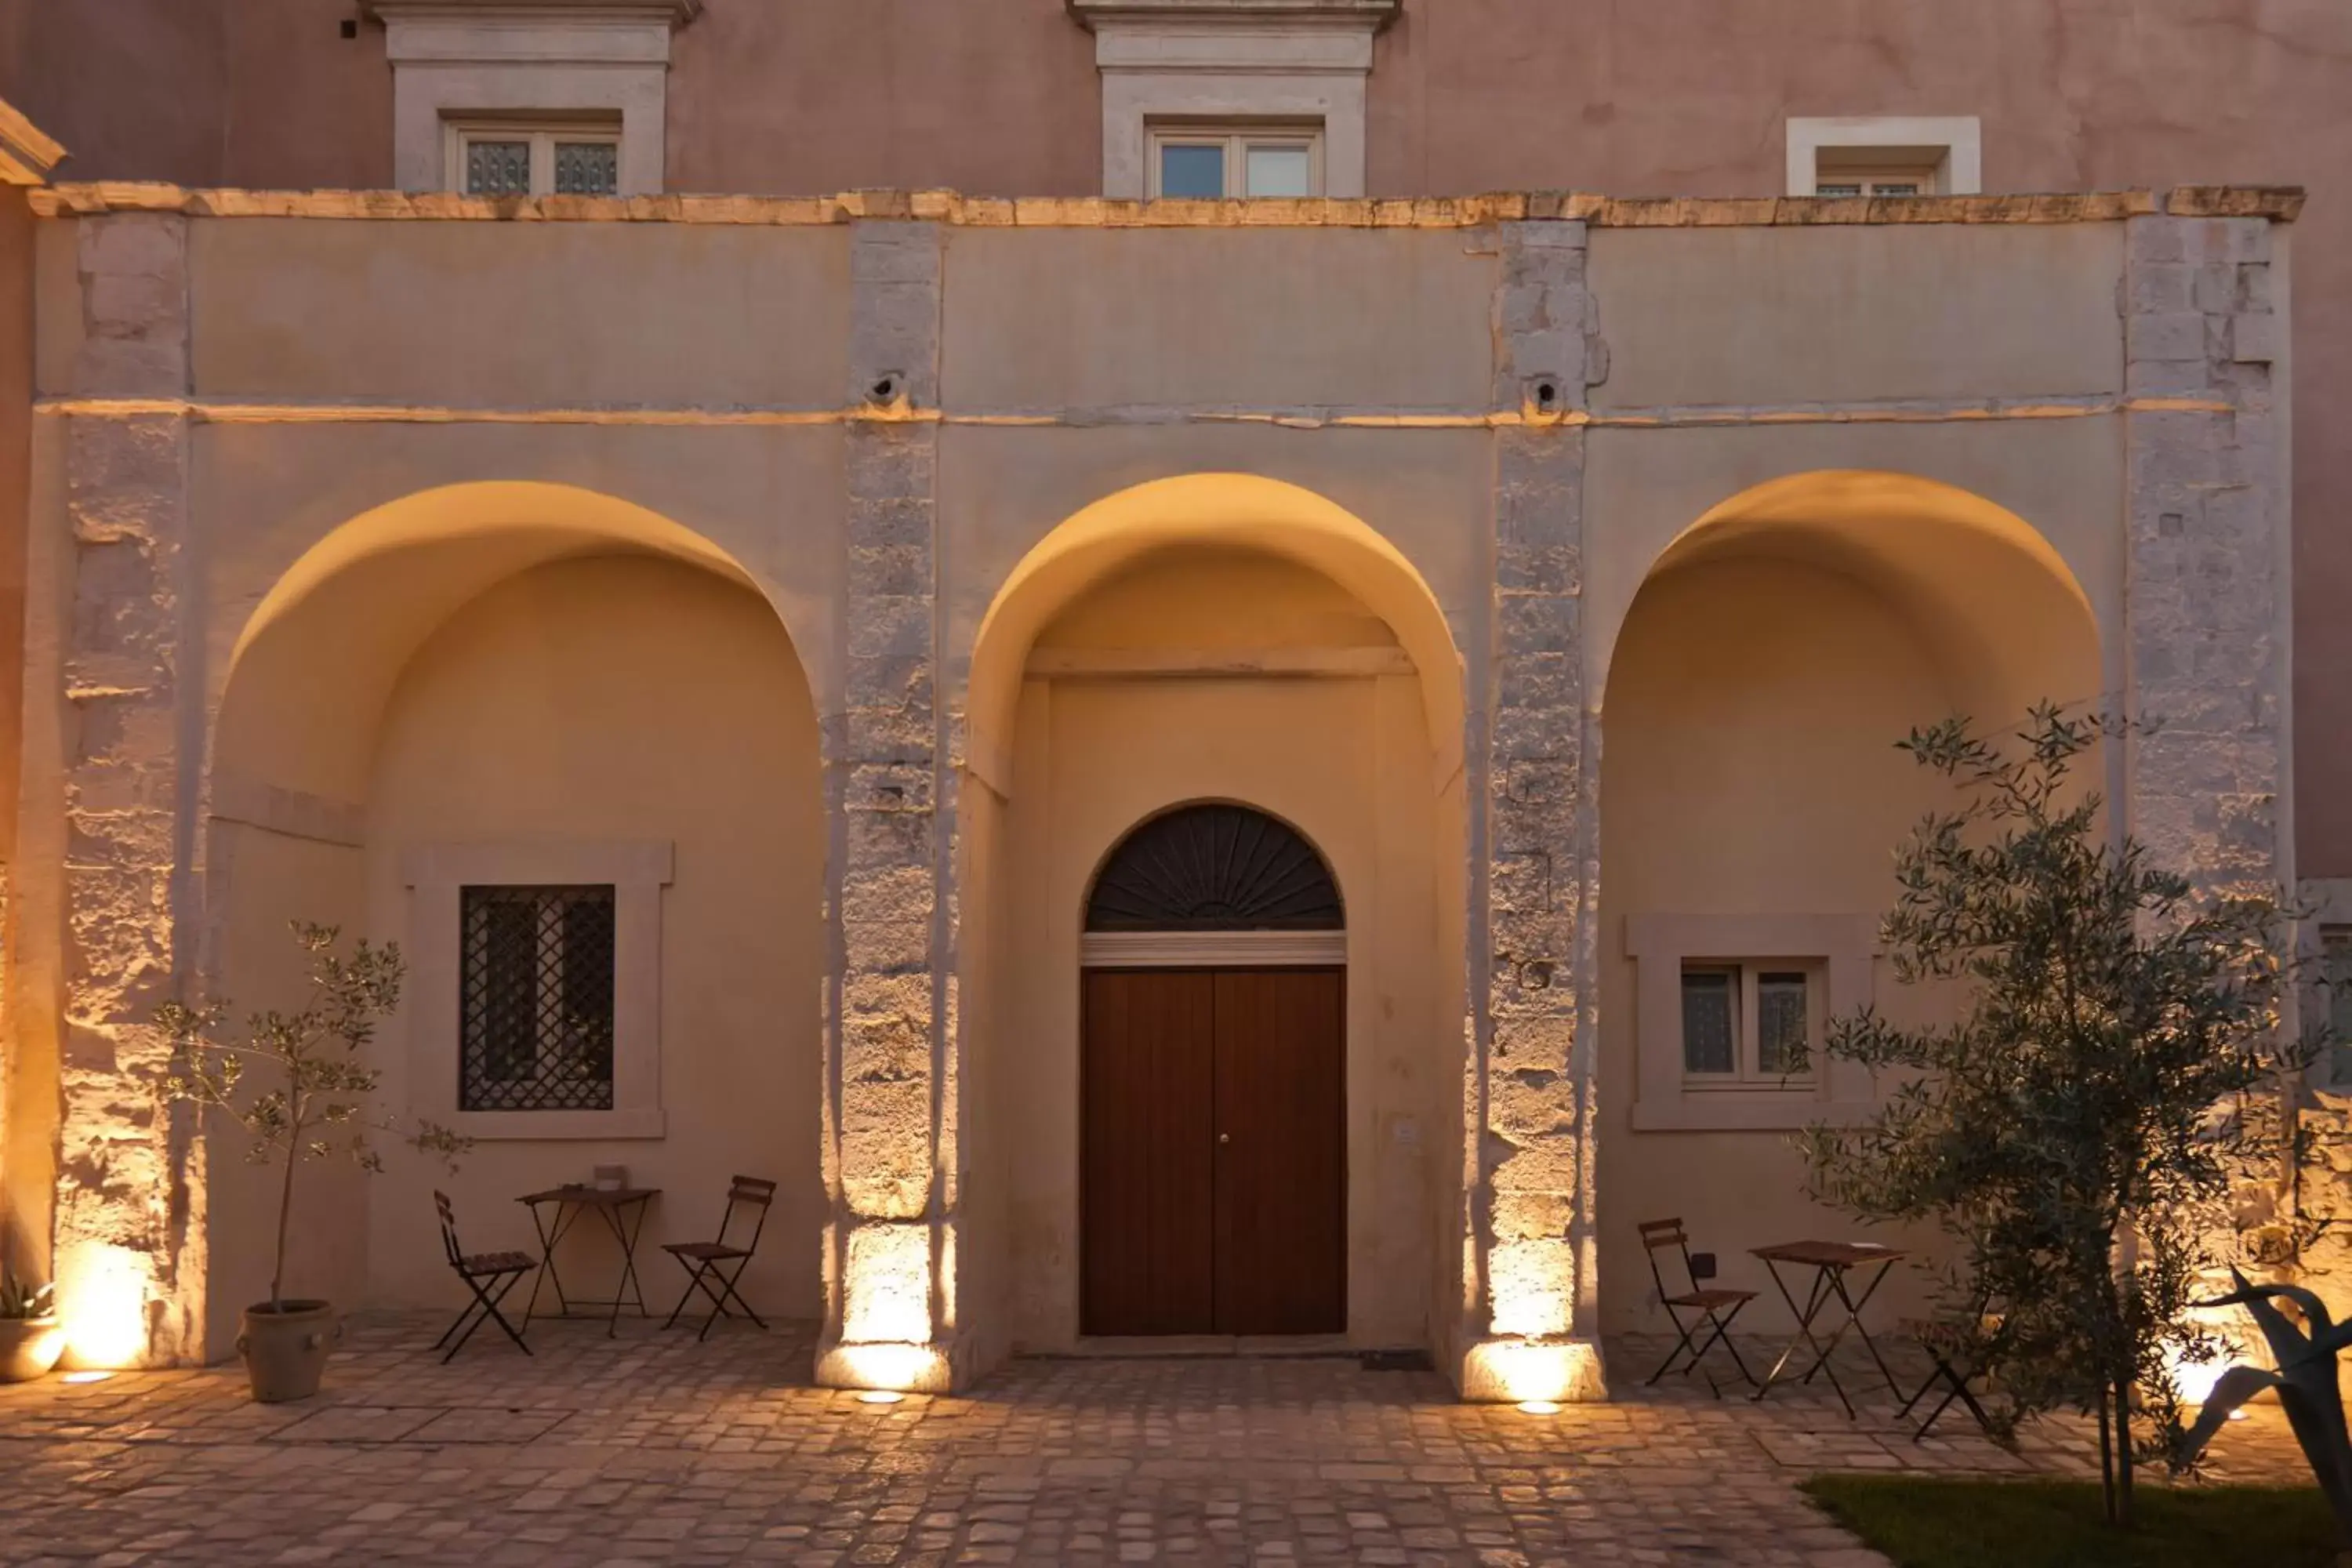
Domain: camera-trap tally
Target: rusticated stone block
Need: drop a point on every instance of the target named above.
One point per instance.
(1531, 1201)
(133, 270)
(2205, 614)
(892, 1023)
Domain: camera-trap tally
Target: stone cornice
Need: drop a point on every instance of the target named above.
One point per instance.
(2280, 203)
(27, 152)
(1372, 15)
(677, 12)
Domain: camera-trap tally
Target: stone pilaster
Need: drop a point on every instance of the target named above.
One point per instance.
(2206, 629)
(1532, 1329)
(128, 1262)
(891, 1027)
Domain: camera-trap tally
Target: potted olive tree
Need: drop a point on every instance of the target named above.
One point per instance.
(315, 1110)
(30, 1338)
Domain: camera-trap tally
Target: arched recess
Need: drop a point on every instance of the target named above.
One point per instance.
(1212, 638)
(1234, 510)
(528, 684)
(1751, 799)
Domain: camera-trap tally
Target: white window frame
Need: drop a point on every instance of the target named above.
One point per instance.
(1872, 182)
(1236, 140)
(1747, 1033)
(1946, 151)
(542, 136)
(437, 876)
(1838, 952)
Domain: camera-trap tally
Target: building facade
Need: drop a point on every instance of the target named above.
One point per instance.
(1165, 764)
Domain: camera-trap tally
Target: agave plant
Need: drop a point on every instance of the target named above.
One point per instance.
(2305, 1381)
(19, 1300)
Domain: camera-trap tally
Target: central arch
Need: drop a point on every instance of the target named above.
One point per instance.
(1214, 642)
(1212, 1083)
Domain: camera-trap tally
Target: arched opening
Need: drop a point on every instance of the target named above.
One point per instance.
(1752, 796)
(531, 712)
(1216, 654)
(1212, 1083)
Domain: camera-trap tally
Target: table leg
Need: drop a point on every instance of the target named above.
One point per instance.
(1853, 1316)
(548, 1238)
(627, 1238)
(1804, 1316)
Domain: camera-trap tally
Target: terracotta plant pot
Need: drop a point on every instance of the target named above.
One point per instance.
(285, 1348)
(29, 1347)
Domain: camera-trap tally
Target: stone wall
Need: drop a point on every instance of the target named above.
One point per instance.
(890, 786)
(2207, 595)
(1533, 1319)
(128, 1247)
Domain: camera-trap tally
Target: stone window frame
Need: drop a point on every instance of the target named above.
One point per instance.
(1948, 150)
(1843, 948)
(490, 60)
(1233, 60)
(437, 876)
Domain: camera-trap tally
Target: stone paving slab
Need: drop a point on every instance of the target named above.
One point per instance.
(653, 1448)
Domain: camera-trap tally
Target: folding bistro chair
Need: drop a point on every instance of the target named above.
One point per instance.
(488, 1275)
(1711, 1310)
(1960, 1354)
(713, 1266)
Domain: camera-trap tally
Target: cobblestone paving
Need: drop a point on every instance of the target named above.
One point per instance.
(653, 1448)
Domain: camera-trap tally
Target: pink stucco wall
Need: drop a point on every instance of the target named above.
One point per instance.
(1625, 96)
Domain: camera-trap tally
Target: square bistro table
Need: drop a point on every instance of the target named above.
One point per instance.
(557, 1210)
(1829, 1261)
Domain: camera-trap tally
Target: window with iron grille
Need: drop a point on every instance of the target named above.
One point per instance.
(526, 158)
(535, 999)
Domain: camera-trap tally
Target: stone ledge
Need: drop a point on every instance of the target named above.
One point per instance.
(2279, 204)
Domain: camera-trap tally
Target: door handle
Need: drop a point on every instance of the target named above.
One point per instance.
(1225, 1137)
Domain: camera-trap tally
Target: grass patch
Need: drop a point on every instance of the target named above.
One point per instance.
(1930, 1523)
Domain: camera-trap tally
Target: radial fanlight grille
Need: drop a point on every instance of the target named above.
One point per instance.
(1215, 867)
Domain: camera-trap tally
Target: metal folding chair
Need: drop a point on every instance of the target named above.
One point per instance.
(1711, 1310)
(714, 1267)
(488, 1275)
(1958, 1354)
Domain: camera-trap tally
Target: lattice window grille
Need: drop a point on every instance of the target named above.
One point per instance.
(535, 998)
(1215, 867)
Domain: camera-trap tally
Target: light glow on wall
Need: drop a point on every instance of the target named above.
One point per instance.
(888, 1284)
(888, 1368)
(1510, 1372)
(102, 1294)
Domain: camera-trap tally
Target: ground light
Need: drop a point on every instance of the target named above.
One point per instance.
(880, 1396)
(1539, 1407)
(88, 1377)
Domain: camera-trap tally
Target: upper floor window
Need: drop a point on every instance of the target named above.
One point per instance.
(1915, 182)
(530, 97)
(523, 158)
(1211, 162)
(1233, 98)
(1886, 155)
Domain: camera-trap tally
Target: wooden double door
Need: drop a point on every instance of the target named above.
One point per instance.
(1213, 1167)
